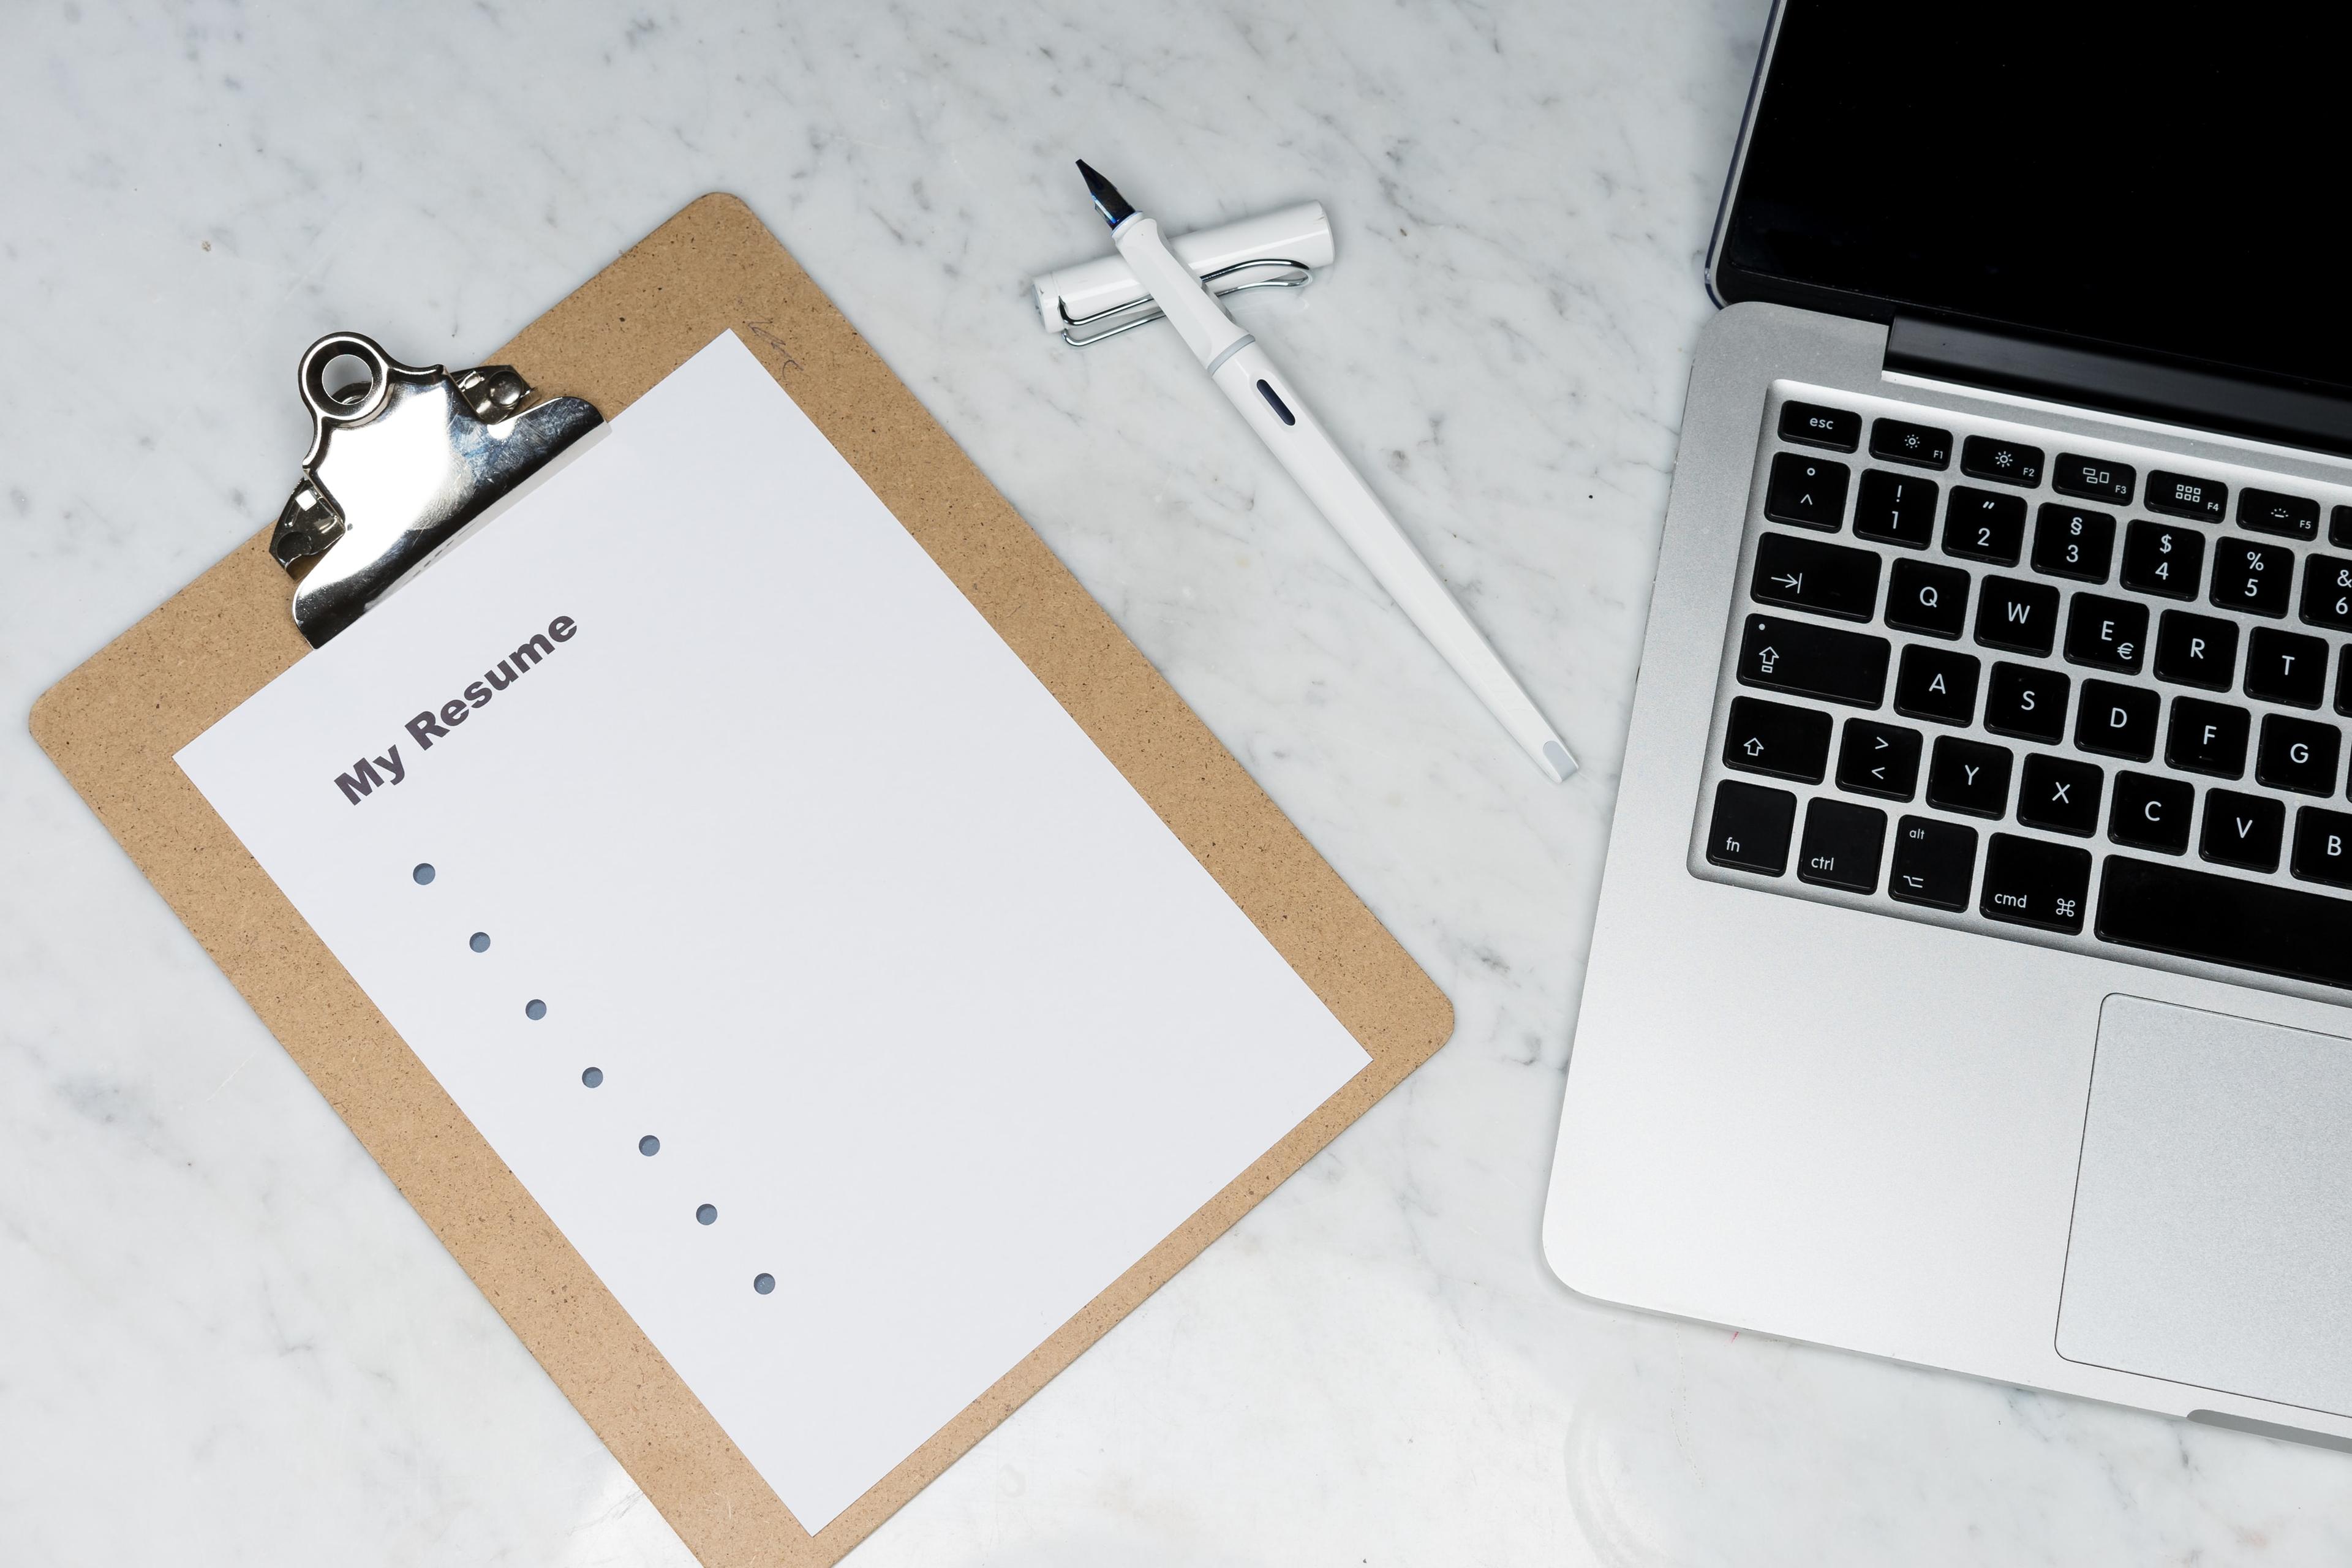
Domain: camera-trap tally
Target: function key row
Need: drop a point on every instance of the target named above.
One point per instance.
(2009, 462)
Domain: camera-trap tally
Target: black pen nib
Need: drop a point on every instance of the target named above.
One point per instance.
(1108, 201)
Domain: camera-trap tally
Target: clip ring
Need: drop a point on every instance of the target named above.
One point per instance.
(320, 397)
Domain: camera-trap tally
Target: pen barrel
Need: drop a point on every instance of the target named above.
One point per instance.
(1291, 432)
(1199, 320)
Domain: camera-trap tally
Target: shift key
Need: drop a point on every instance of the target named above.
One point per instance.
(1783, 655)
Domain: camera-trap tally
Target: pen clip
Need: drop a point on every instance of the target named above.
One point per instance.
(1143, 312)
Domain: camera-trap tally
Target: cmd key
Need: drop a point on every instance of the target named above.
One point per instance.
(1783, 655)
(2030, 882)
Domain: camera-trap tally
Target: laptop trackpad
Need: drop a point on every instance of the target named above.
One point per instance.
(2212, 1237)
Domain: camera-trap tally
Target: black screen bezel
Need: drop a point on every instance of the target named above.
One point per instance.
(1728, 283)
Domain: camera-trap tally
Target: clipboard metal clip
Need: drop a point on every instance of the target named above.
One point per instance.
(402, 464)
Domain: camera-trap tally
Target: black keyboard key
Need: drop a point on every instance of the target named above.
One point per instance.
(1750, 830)
(1878, 759)
(2327, 591)
(2196, 651)
(2259, 578)
(2241, 830)
(1813, 575)
(1808, 491)
(2226, 919)
(1782, 654)
(2163, 558)
(1983, 457)
(1936, 683)
(2323, 849)
(1982, 526)
(2339, 527)
(2060, 793)
(2072, 541)
(2298, 755)
(2028, 882)
(1776, 739)
(2116, 720)
(1811, 425)
(2017, 616)
(2152, 811)
(2107, 633)
(1901, 441)
(1895, 509)
(2207, 738)
(2287, 666)
(2344, 680)
(2092, 478)
(1922, 596)
(1841, 846)
(1968, 776)
(2027, 702)
(2267, 511)
(1935, 862)
(2185, 495)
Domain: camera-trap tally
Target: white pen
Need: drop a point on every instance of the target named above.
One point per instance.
(1299, 442)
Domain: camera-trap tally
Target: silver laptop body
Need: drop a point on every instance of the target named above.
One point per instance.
(2003, 1118)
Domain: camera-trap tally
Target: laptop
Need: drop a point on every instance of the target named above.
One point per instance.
(1972, 983)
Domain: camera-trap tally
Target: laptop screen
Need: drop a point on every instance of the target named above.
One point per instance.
(2165, 181)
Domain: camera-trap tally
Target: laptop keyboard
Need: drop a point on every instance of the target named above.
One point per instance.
(2088, 698)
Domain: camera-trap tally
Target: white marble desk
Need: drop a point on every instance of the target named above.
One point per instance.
(225, 1341)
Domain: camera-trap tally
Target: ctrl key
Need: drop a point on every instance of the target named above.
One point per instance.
(2030, 882)
(1841, 846)
(1935, 863)
(1749, 831)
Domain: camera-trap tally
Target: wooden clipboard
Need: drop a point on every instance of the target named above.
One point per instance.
(113, 725)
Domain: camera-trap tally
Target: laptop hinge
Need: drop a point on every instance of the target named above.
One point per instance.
(2297, 415)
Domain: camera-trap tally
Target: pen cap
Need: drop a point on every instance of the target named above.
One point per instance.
(1301, 234)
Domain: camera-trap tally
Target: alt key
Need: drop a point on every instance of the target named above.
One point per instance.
(1935, 863)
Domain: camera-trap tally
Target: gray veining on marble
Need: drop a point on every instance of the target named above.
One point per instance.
(225, 1340)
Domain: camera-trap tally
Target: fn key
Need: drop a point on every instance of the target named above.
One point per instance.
(1750, 830)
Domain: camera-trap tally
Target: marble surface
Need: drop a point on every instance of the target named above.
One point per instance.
(225, 1339)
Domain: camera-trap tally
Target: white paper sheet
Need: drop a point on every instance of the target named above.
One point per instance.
(910, 984)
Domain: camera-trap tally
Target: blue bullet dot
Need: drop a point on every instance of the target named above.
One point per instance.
(593, 1076)
(764, 1283)
(707, 1214)
(479, 941)
(649, 1145)
(423, 873)
(535, 1009)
